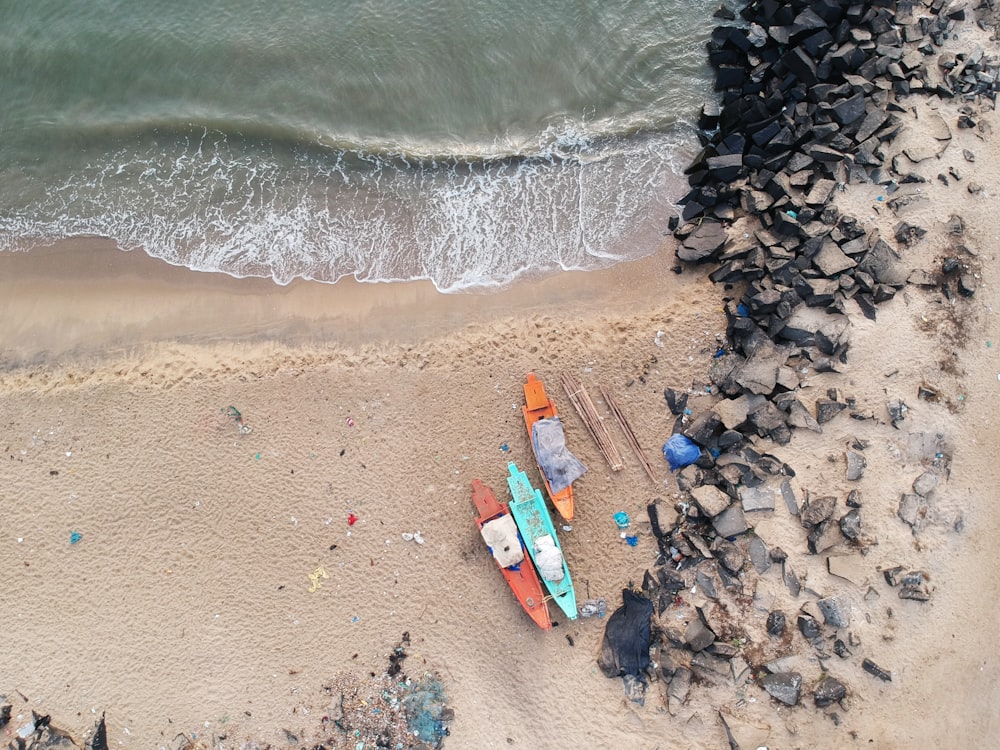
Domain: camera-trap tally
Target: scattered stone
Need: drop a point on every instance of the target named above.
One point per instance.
(836, 610)
(789, 496)
(925, 483)
(829, 690)
(731, 522)
(892, 575)
(784, 686)
(710, 500)
(703, 243)
(698, 635)
(729, 556)
(776, 623)
(817, 510)
(897, 411)
(677, 691)
(850, 525)
(916, 593)
(824, 536)
(874, 669)
(914, 510)
(808, 627)
(706, 583)
(856, 464)
(756, 498)
(827, 409)
(759, 555)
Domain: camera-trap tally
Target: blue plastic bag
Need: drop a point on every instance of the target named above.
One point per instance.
(680, 451)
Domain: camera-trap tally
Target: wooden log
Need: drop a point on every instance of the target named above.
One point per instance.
(629, 433)
(584, 406)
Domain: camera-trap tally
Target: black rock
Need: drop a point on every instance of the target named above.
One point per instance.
(829, 690)
(836, 610)
(4, 715)
(892, 575)
(808, 626)
(703, 243)
(827, 409)
(840, 649)
(776, 623)
(874, 669)
(676, 402)
(850, 525)
(817, 510)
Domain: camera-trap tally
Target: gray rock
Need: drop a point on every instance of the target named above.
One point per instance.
(677, 691)
(829, 690)
(731, 522)
(756, 498)
(710, 499)
(706, 583)
(732, 411)
(788, 494)
(791, 580)
(914, 510)
(698, 635)
(856, 464)
(827, 409)
(784, 686)
(703, 427)
(759, 555)
(836, 610)
(850, 525)
(823, 536)
(729, 556)
(831, 260)
(817, 510)
(808, 627)
(703, 242)
(776, 623)
(925, 483)
(897, 411)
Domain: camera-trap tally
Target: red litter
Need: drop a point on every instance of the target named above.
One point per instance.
(351, 519)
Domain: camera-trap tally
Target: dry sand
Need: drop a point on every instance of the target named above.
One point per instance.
(185, 607)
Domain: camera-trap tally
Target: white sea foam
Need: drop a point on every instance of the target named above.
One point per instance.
(579, 202)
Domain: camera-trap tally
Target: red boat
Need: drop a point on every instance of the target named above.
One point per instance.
(499, 531)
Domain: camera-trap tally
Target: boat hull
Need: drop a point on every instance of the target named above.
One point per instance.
(537, 405)
(523, 578)
(533, 521)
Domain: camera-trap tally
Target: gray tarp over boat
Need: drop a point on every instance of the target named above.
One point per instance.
(561, 468)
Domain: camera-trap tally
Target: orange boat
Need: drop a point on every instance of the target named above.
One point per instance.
(500, 533)
(538, 405)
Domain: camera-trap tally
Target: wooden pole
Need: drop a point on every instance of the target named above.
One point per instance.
(588, 413)
(629, 434)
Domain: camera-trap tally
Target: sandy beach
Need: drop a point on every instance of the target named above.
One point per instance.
(203, 586)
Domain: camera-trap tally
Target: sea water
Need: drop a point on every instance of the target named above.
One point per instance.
(467, 142)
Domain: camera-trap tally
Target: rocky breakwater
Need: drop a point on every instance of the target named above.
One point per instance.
(812, 97)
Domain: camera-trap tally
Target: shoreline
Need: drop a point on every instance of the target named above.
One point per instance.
(82, 299)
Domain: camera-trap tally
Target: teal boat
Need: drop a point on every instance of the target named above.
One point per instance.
(539, 535)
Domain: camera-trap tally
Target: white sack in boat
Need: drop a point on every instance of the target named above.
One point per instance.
(548, 558)
(500, 536)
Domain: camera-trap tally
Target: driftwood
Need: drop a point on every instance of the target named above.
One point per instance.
(588, 413)
(627, 429)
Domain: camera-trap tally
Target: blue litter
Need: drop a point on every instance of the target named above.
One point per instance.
(632, 540)
(423, 706)
(505, 447)
(742, 310)
(680, 451)
(74, 537)
(791, 213)
(720, 352)
(622, 519)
